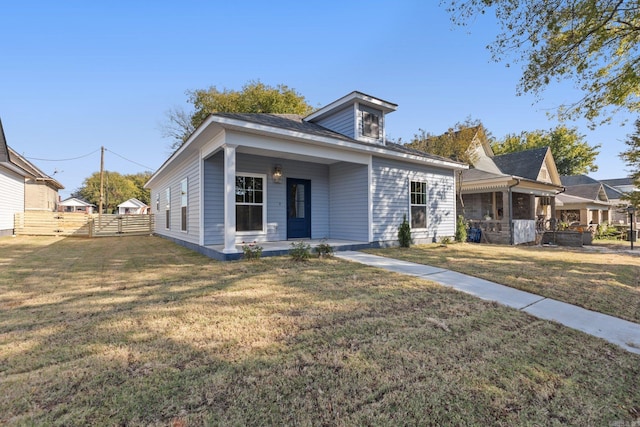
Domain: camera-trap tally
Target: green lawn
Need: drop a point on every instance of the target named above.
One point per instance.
(139, 331)
(608, 282)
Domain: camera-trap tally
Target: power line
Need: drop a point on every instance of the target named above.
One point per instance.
(124, 158)
(62, 160)
(87, 155)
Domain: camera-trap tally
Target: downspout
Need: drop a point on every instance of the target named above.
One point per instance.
(511, 237)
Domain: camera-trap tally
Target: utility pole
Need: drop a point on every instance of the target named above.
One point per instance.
(101, 183)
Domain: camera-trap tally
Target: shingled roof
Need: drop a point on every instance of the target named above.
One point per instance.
(587, 191)
(568, 180)
(525, 164)
(295, 123)
(617, 181)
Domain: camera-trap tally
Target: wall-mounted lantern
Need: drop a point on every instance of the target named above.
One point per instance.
(277, 174)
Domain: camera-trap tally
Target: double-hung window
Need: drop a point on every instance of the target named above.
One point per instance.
(184, 200)
(418, 204)
(167, 208)
(250, 200)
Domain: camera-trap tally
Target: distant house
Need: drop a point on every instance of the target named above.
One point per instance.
(132, 206)
(22, 187)
(277, 178)
(41, 191)
(587, 201)
(74, 205)
(510, 197)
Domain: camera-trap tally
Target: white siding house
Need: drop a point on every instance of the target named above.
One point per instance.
(275, 178)
(22, 187)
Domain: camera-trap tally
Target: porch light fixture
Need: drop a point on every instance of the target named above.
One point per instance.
(277, 174)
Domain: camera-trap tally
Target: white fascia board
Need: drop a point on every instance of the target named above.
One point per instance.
(17, 169)
(184, 147)
(241, 125)
(334, 142)
(281, 145)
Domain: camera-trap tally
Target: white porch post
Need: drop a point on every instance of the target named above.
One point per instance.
(229, 199)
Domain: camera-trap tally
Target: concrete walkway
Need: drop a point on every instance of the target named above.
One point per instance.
(617, 331)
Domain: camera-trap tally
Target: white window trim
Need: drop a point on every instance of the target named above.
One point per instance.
(426, 205)
(264, 204)
(184, 181)
(167, 196)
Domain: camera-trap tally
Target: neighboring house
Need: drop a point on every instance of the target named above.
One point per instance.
(509, 197)
(22, 187)
(616, 188)
(275, 178)
(41, 191)
(586, 201)
(132, 206)
(74, 205)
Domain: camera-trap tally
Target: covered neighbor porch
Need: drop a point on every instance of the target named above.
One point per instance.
(512, 211)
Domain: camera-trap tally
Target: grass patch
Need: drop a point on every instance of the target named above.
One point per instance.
(139, 331)
(607, 282)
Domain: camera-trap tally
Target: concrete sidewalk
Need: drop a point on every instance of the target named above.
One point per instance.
(617, 331)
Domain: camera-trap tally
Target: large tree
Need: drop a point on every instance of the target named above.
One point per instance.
(572, 154)
(117, 189)
(453, 144)
(594, 43)
(254, 97)
(632, 158)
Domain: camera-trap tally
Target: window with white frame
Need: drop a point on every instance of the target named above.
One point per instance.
(370, 125)
(250, 202)
(157, 203)
(184, 200)
(167, 208)
(418, 204)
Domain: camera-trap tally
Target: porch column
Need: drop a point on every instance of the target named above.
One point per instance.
(229, 199)
(532, 207)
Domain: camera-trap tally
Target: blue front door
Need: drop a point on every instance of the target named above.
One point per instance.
(298, 208)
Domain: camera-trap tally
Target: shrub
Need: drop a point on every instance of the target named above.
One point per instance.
(404, 233)
(461, 229)
(446, 240)
(300, 251)
(251, 250)
(324, 249)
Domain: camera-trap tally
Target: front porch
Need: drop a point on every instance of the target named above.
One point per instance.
(508, 216)
(277, 248)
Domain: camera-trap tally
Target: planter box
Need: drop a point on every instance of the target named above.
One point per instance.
(566, 238)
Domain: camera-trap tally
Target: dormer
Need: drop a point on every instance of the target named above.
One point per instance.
(356, 115)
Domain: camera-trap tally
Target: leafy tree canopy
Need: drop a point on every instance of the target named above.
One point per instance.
(631, 156)
(254, 97)
(572, 154)
(453, 144)
(117, 189)
(593, 43)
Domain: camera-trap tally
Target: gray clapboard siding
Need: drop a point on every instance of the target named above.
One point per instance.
(213, 202)
(341, 121)
(348, 206)
(189, 169)
(391, 200)
(12, 192)
(276, 194)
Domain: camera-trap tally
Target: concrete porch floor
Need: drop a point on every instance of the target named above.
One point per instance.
(282, 247)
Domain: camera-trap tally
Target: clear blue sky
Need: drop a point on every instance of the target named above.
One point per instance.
(78, 75)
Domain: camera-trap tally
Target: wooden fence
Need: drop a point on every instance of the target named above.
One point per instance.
(82, 225)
